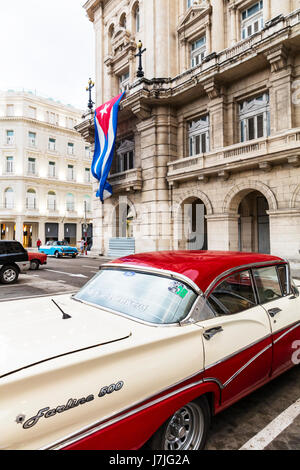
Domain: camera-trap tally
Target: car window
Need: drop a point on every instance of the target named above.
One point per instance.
(267, 284)
(283, 279)
(148, 297)
(233, 295)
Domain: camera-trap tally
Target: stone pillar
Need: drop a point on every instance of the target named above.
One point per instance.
(99, 54)
(267, 10)
(285, 233)
(61, 231)
(41, 230)
(280, 8)
(78, 233)
(223, 232)
(217, 114)
(233, 28)
(98, 213)
(19, 229)
(280, 89)
(158, 143)
(217, 23)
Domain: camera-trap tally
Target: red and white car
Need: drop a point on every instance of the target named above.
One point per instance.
(147, 352)
(37, 259)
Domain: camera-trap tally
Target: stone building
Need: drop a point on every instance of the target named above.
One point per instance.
(213, 125)
(45, 180)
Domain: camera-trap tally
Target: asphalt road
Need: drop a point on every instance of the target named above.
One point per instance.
(261, 420)
(57, 277)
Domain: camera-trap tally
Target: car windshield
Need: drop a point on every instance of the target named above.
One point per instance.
(144, 296)
(61, 243)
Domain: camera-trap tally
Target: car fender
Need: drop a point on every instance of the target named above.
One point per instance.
(121, 432)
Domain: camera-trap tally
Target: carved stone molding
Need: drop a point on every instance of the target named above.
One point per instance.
(265, 166)
(213, 89)
(277, 57)
(141, 111)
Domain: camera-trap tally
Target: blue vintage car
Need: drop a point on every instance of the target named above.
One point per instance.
(59, 249)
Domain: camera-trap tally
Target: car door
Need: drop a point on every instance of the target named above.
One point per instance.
(237, 341)
(283, 307)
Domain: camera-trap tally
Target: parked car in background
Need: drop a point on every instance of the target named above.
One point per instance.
(156, 343)
(37, 259)
(13, 261)
(59, 249)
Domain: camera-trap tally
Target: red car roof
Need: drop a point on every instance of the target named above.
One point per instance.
(202, 267)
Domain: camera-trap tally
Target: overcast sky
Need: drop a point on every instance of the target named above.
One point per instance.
(47, 46)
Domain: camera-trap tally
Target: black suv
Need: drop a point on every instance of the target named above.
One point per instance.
(13, 260)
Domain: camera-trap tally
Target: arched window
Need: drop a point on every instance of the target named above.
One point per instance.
(9, 201)
(111, 32)
(70, 202)
(123, 21)
(51, 202)
(137, 18)
(31, 199)
(87, 204)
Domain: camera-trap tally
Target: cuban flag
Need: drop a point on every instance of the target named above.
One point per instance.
(106, 121)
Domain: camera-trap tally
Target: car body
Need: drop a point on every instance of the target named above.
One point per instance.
(37, 259)
(156, 342)
(59, 249)
(13, 261)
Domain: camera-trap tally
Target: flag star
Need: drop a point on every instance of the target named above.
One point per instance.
(104, 110)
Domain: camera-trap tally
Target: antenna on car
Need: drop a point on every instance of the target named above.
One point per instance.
(65, 315)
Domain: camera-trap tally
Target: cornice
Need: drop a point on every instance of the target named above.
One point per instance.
(36, 122)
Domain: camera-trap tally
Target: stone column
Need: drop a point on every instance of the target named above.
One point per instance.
(158, 143)
(267, 10)
(61, 231)
(99, 54)
(233, 28)
(19, 229)
(280, 89)
(217, 114)
(41, 230)
(217, 23)
(223, 232)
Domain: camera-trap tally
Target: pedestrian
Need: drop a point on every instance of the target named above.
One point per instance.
(38, 244)
(85, 247)
(82, 246)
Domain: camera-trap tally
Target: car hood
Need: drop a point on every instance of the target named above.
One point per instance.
(33, 331)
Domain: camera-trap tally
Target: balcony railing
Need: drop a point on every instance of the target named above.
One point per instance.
(130, 180)
(189, 167)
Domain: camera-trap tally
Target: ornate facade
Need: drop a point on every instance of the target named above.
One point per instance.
(215, 123)
(45, 183)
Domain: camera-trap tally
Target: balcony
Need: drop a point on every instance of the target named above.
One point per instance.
(127, 181)
(277, 31)
(255, 153)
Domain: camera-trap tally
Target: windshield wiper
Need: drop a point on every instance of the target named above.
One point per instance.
(65, 315)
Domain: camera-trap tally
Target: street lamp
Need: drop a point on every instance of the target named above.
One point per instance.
(91, 103)
(140, 72)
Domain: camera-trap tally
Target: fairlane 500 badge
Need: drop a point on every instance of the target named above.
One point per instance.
(71, 403)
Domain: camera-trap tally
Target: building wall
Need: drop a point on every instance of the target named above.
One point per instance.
(59, 126)
(158, 110)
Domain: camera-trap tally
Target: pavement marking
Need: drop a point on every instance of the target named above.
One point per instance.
(93, 267)
(66, 274)
(273, 429)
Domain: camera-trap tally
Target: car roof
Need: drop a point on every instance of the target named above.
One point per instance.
(202, 267)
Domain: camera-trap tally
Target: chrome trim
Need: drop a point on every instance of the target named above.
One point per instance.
(240, 268)
(85, 432)
(296, 325)
(213, 379)
(161, 272)
(238, 352)
(246, 365)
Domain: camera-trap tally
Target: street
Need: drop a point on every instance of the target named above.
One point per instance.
(57, 277)
(259, 421)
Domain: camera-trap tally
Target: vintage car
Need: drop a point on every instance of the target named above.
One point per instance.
(146, 352)
(36, 259)
(59, 249)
